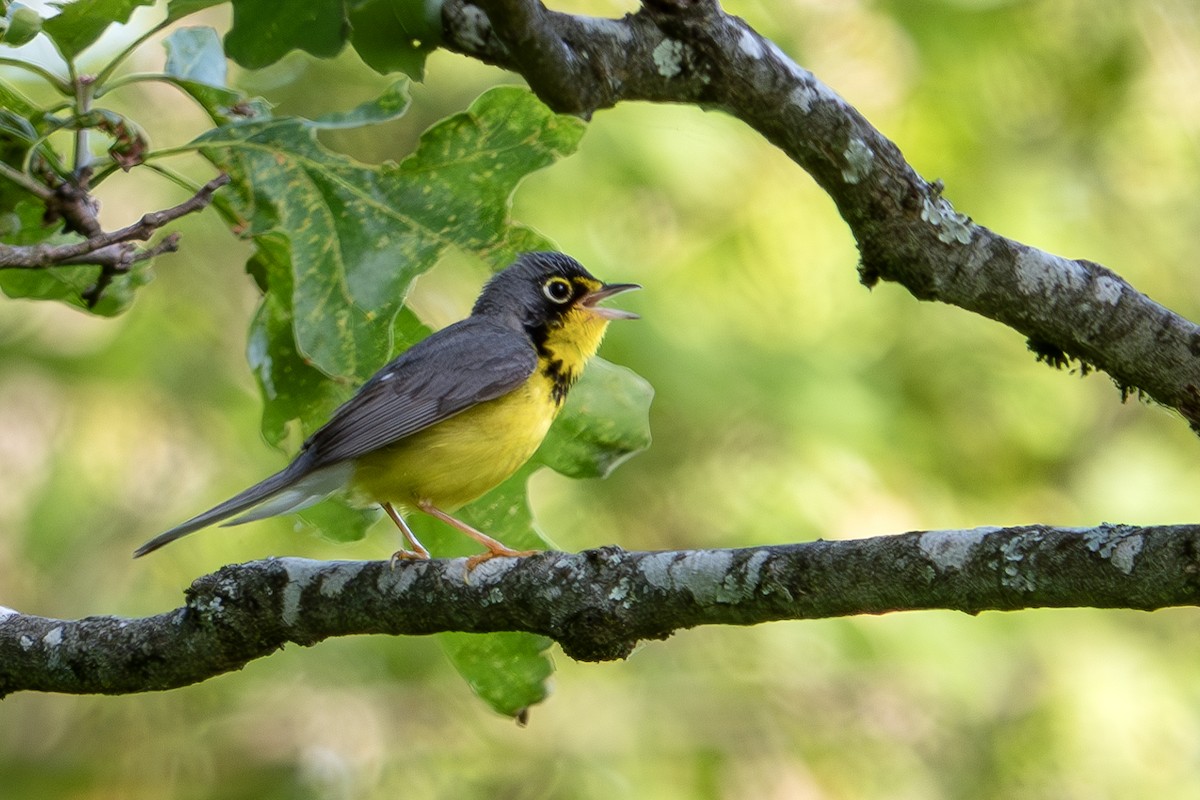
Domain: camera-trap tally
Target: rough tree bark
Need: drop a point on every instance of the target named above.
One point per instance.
(598, 604)
(690, 51)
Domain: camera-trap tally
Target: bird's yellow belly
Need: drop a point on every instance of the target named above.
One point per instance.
(457, 460)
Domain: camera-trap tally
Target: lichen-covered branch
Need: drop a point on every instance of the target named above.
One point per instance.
(690, 51)
(600, 603)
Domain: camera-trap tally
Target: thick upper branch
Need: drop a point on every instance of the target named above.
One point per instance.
(597, 604)
(690, 51)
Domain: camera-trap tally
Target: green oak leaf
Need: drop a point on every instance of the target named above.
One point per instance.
(264, 31)
(196, 65)
(388, 106)
(293, 390)
(222, 105)
(359, 234)
(605, 422)
(509, 671)
(335, 518)
(81, 22)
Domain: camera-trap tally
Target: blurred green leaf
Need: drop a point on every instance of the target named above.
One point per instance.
(334, 518)
(81, 22)
(178, 9)
(396, 35)
(605, 421)
(195, 54)
(17, 135)
(388, 106)
(21, 24)
(264, 31)
(509, 671)
(13, 101)
(222, 105)
(196, 65)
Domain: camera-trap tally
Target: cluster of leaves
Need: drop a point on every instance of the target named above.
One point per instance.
(337, 243)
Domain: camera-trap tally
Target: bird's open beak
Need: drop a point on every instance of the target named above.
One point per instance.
(590, 300)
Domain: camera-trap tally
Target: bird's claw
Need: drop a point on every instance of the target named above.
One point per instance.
(407, 555)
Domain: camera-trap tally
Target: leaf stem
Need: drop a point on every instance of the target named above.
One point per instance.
(62, 86)
(25, 182)
(83, 102)
(103, 75)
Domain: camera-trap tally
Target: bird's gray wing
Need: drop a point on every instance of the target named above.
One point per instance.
(468, 363)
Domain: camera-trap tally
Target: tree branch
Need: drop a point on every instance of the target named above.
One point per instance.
(105, 249)
(690, 51)
(600, 603)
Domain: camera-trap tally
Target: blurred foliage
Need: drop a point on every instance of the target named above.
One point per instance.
(790, 404)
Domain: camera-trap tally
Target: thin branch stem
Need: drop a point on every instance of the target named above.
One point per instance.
(83, 104)
(103, 75)
(60, 85)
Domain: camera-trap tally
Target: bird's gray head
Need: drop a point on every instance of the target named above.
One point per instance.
(540, 288)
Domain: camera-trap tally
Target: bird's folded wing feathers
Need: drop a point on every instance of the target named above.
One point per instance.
(470, 362)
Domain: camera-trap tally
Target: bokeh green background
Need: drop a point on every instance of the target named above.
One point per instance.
(791, 404)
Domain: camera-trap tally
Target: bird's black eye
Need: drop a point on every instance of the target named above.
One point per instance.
(558, 290)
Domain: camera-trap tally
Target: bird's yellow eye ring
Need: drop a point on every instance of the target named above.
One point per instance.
(557, 290)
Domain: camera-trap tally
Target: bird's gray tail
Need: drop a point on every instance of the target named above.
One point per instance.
(288, 490)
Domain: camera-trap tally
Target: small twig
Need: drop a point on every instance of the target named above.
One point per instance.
(74, 205)
(47, 256)
(119, 259)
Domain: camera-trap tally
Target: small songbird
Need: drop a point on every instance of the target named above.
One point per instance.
(451, 417)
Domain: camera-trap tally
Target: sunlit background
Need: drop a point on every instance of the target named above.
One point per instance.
(792, 404)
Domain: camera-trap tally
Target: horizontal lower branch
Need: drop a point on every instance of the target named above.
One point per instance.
(597, 604)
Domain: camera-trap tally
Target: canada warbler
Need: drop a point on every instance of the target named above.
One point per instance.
(454, 415)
